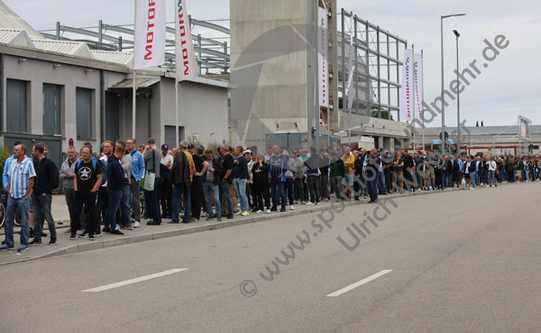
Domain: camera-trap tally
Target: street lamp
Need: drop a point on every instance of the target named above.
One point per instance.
(458, 92)
(443, 83)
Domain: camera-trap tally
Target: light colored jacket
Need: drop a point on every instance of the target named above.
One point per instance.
(67, 167)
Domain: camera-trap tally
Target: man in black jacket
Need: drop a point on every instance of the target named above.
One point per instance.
(372, 170)
(182, 185)
(408, 169)
(42, 193)
(359, 188)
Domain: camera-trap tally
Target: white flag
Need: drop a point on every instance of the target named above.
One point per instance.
(186, 61)
(418, 65)
(406, 90)
(149, 33)
(323, 49)
(350, 65)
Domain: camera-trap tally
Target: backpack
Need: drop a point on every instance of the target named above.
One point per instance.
(57, 174)
(94, 161)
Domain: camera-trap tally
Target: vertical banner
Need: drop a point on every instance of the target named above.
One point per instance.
(406, 89)
(186, 61)
(149, 33)
(418, 65)
(350, 65)
(323, 49)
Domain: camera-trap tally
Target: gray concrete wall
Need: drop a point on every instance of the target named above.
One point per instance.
(281, 91)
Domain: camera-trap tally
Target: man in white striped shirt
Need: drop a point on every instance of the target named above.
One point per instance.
(21, 180)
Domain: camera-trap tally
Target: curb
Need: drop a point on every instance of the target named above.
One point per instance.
(219, 225)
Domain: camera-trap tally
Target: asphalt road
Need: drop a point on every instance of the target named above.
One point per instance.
(461, 261)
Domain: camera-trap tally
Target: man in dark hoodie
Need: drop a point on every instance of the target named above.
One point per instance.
(115, 183)
(277, 169)
(313, 163)
(182, 185)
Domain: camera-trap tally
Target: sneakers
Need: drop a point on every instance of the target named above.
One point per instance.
(107, 230)
(73, 237)
(239, 212)
(6, 247)
(317, 203)
(97, 235)
(91, 237)
(309, 203)
(219, 218)
(245, 213)
(22, 248)
(282, 209)
(205, 214)
(210, 217)
(136, 224)
(117, 232)
(52, 241)
(83, 235)
(259, 211)
(268, 211)
(291, 207)
(35, 242)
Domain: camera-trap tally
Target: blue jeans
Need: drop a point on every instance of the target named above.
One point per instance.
(277, 182)
(225, 194)
(39, 203)
(288, 188)
(491, 176)
(22, 205)
(211, 187)
(473, 177)
(381, 183)
(153, 202)
(445, 178)
(372, 187)
(240, 189)
(125, 211)
(115, 196)
(177, 193)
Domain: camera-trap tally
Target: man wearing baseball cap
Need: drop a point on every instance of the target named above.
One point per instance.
(166, 190)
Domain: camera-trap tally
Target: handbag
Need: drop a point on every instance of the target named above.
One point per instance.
(150, 176)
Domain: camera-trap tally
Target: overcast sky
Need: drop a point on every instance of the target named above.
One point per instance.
(508, 87)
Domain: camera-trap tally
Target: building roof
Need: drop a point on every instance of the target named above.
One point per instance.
(15, 37)
(66, 47)
(10, 20)
(122, 58)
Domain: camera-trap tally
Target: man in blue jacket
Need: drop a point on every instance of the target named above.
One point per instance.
(115, 183)
(137, 173)
(277, 169)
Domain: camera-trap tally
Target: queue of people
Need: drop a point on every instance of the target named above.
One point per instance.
(186, 183)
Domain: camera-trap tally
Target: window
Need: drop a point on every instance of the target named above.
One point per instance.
(51, 109)
(84, 113)
(170, 136)
(16, 106)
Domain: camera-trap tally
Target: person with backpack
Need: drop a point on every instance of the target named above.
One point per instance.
(86, 184)
(42, 193)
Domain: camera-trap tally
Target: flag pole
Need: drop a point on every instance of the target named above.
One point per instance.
(413, 92)
(134, 92)
(423, 98)
(177, 87)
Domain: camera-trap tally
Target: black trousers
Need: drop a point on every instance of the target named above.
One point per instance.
(262, 192)
(438, 176)
(166, 197)
(196, 197)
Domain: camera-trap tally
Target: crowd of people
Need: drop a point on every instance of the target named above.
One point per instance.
(185, 183)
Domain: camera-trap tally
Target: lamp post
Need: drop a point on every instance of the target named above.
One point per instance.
(443, 83)
(458, 92)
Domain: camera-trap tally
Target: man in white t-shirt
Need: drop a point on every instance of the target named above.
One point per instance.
(166, 190)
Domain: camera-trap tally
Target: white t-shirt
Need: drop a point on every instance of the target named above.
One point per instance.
(167, 159)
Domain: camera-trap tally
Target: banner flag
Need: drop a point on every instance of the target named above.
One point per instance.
(350, 65)
(406, 89)
(185, 59)
(323, 49)
(418, 65)
(149, 49)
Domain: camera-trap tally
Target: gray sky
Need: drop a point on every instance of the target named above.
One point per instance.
(508, 87)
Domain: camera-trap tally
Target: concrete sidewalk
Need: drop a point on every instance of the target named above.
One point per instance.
(145, 232)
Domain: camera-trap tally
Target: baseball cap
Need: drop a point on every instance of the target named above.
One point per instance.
(190, 145)
(165, 146)
(247, 151)
(379, 150)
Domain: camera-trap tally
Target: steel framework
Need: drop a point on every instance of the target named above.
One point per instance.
(212, 54)
(377, 53)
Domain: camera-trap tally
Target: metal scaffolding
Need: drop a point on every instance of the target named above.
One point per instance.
(212, 54)
(375, 86)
